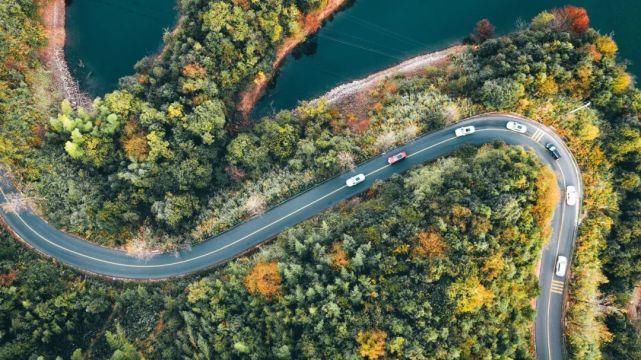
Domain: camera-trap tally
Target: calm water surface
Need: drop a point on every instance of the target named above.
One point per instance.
(374, 34)
(107, 37)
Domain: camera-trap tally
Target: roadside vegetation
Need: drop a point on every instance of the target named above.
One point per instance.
(436, 264)
(164, 162)
(25, 101)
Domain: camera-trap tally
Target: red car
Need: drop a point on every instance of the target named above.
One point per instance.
(396, 158)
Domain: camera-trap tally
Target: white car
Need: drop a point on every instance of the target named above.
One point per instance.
(465, 130)
(516, 127)
(355, 180)
(571, 195)
(561, 266)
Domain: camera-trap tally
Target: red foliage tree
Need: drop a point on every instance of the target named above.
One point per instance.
(484, 30)
(573, 18)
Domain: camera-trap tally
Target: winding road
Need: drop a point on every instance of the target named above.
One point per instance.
(92, 258)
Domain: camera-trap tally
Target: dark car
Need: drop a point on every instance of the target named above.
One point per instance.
(396, 158)
(554, 151)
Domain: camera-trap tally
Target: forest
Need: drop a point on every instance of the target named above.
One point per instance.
(165, 162)
(379, 276)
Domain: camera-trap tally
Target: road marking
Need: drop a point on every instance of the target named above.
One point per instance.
(236, 241)
(213, 251)
(538, 134)
(177, 262)
(557, 287)
(420, 151)
(221, 248)
(558, 244)
(225, 246)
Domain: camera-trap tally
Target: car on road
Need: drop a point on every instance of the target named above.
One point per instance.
(553, 150)
(561, 266)
(516, 127)
(396, 158)
(465, 130)
(571, 195)
(354, 180)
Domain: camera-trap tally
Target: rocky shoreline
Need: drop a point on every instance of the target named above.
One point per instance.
(53, 55)
(407, 68)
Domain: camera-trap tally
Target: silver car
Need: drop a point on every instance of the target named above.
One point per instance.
(516, 127)
(561, 266)
(465, 130)
(354, 180)
(571, 195)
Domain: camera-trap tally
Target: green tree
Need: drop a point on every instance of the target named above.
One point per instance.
(123, 349)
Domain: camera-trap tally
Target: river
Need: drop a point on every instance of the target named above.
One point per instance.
(109, 36)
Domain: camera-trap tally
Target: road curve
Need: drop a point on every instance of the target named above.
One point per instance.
(92, 258)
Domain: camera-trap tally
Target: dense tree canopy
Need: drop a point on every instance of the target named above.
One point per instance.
(428, 267)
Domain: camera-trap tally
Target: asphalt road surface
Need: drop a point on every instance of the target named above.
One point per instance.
(95, 259)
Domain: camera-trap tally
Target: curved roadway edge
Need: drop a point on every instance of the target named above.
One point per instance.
(83, 255)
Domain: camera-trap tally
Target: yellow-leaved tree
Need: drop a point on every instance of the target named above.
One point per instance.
(470, 295)
(371, 343)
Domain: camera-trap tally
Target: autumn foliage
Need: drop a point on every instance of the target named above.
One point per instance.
(547, 196)
(194, 71)
(264, 279)
(622, 82)
(371, 343)
(484, 30)
(470, 295)
(134, 142)
(8, 279)
(338, 256)
(572, 18)
(430, 245)
(606, 46)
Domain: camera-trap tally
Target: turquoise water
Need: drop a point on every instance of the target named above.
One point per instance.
(105, 38)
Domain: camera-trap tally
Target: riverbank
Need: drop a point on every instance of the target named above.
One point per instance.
(310, 24)
(52, 14)
(354, 97)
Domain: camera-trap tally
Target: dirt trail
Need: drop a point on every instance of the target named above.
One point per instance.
(52, 13)
(311, 23)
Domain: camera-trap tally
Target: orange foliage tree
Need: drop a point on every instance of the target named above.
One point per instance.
(136, 148)
(338, 256)
(573, 18)
(430, 244)
(371, 343)
(134, 142)
(194, 71)
(264, 279)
